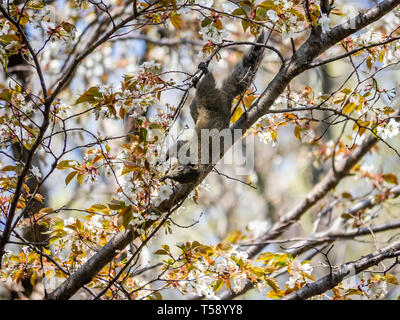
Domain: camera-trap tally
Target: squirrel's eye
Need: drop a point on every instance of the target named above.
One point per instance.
(180, 168)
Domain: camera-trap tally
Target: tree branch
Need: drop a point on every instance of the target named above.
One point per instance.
(333, 279)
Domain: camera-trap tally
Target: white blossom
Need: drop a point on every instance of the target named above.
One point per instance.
(11, 45)
(366, 167)
(297, 269)
(239, 282)
(379, 289)
(4, 29)
(229, 7)
(211, 33)
(325, 22)
(150, 64)
(206, 3)
(265, 136)
(165, 192)
(272, 15)
(36, 172)
(390, 130)
(258, 227)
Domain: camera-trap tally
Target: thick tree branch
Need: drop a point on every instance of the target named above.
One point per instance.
(333, 279)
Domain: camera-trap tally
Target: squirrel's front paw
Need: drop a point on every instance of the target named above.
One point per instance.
(203, 67)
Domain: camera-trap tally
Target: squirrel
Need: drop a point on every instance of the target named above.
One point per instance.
(211, 109)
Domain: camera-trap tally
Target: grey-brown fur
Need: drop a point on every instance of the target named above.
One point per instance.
(211, 106)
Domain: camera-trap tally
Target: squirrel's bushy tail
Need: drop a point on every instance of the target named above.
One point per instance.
(244, 72)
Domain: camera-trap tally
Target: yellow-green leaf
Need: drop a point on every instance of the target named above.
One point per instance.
(273, 283)
(265, 256)
(35, 4)
(65, 164)
(297, 132)
(391, 279)
(369, 62)
(206, 21)
(237, 114)
(79, 225)
(349, 107)
(70, 176)
(218, 284)
(390, 178)
(79, 178)
(91, 95)
(176, 21)
(100, 208)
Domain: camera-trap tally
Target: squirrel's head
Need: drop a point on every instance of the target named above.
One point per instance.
(182, 173)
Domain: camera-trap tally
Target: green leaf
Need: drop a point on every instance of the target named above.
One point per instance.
(161, 252)
(369, 62)
(346, 91)
(206, 21)
(116, 205)
(143, 135)
(233, 236)
(238, 12)
(245, 25)
(224, 246)
(92, 95)
(126, 216)
(58, 223)
(218, 285)
(156, 295)
(268, 5)
(388, 110)
(5, 95)
(275, 295)
(66, 164)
